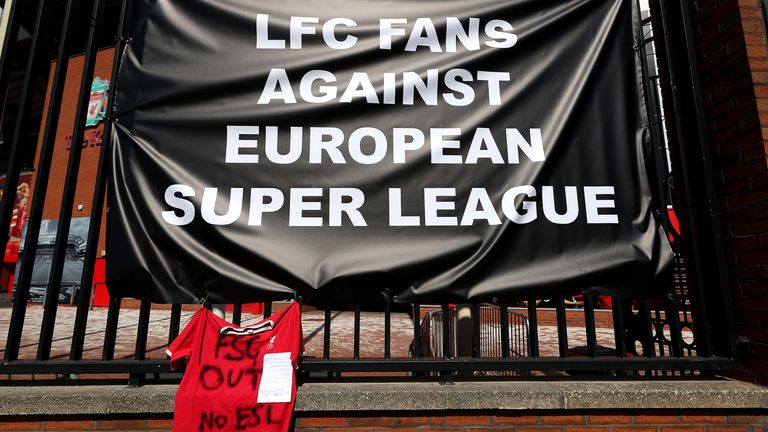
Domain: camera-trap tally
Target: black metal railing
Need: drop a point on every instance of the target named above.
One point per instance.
(689, 331)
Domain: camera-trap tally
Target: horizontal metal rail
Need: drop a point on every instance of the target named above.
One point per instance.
(521, 364)
(310, 365)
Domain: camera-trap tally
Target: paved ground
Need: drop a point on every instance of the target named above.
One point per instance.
(342, 331)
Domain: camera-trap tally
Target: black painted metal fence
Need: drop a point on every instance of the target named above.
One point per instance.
(690, 331)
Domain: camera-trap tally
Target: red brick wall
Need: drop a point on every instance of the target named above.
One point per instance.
(608, 421)
(90, 154)
(733, 60)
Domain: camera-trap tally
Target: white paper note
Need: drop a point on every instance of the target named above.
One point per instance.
(276, 378)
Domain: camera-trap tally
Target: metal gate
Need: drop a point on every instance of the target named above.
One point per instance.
(690, 331)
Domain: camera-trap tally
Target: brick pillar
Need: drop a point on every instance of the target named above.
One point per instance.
(733, 61)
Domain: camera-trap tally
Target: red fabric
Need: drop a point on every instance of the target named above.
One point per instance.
(254, 308)
(674, 221)
(100, 296)
(220, 385)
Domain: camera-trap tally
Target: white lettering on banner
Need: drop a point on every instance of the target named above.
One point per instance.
(298, 206)
(326, 140)
(178, 203)
(593, 205)
(259, 205)
(433, 204)
(405, 140)
(388, 29)
(427, 90)
(319, 86)
(396, 217)
(307, 207)
(352, 208)
(455, 32)
(445, 206)
(271, 147)
(483, 146)
(479, 207)
(299, 29)
(277, 87)
(360, 86)
(439, 144)
(235, 143)
(208, 207)
(500, 32)
(571, 205)
(329, 33)
(509, 207)
(368, 145)
(421, 33)
(454, 80)
(325, 93)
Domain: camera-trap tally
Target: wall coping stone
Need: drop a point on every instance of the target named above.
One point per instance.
(408, 396)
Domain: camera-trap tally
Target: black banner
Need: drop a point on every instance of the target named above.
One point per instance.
(443, 151)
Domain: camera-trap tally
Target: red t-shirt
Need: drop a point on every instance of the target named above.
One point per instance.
(220, 390)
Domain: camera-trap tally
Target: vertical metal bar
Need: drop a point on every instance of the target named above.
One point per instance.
(416, 330)
(589, 323)
(4, 17)
(687, 185)
(726, 324)
(475, 330)
(515, 337)
(504, 327)
(520, 343)
(680, 285)
(267, 309)
(387, 325)
(15, 159)
(533, 337)
(687, 317)
(237, 314)
(41, 183)
(110, 332)
(496, 337)
(12, 178)
(562, 328)
(446, 331)
(524, 331)
(619, 331)
(673, 320)
(653, 112)
(140, 352)
(142, 330)
(493, 347)
(356, 338)
(9, 47)
(659, 331)
(485, 341)
(173, 328)
(645, 315)
(70, 185)
(698, 247)
(97, 201)
(327, 334)
(21, 126)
